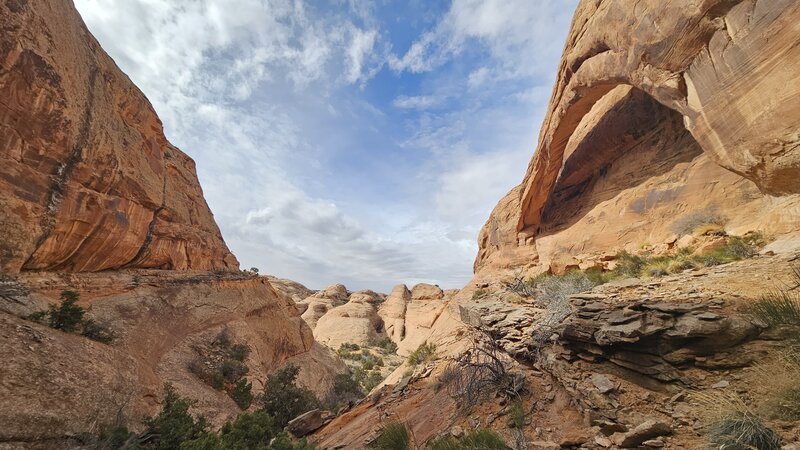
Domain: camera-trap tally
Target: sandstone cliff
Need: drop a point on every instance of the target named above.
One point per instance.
(661, 110)
(88, 181)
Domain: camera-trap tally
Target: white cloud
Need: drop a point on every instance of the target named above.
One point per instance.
(416, 102)
(253, 91)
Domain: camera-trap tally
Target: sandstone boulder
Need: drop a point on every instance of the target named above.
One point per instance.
(424, 291)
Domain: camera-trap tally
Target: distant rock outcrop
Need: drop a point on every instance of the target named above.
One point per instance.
(661, 110)
(88, 181)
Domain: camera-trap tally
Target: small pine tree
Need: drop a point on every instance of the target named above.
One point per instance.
(174, 424)
(242, 393)
(283, 399)
(67, 316)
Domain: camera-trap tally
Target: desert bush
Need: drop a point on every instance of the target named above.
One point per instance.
(283, 399)
(629, 264)
(232, 370)
(516, 414)
(392, 436)
(691, 222)
(423, 354)
(173, 424)
(70, 317)
(242, 393)
(480, 293)
(345, 389)
(346, 350)
(249, 431)
(386, 345)
(482, 439)
(240, 352)
(480, 372)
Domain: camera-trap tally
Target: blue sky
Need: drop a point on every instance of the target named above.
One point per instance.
(362, 142)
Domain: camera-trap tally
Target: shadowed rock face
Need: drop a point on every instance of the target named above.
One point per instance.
(88, 181)
(660, 109)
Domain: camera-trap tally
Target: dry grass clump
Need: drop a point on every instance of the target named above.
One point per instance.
(732, 425)
(692, 223)
(423, 354)
(782, 399)
(392, 436)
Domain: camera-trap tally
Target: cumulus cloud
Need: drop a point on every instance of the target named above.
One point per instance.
(268, 96)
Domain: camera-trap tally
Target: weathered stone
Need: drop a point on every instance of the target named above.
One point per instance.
(307, 422)
(647, 430)
(603, 383)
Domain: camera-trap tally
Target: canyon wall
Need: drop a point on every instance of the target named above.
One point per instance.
(88, 181)
(661, 111)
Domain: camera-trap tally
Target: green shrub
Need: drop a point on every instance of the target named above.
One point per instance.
(482, 439)
(69, 317)
(249, 431)
(173, 424)
(392, 436)
(372, 379)
(96, 332)
(516, 415)
(423, 354)
(344, 389)
(239, 352)
(386, 345)
(242, 393)
(114, 438)
(629, 264)
(232, 370)
(283, 399)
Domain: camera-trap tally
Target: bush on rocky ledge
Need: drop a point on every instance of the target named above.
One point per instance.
(70, 317)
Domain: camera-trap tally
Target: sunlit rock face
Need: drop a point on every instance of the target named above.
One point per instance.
(88, 181)
(659, 111)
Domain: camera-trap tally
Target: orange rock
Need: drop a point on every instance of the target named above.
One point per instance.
(648, 124)
(88, 181)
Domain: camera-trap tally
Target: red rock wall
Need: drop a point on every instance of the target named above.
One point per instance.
(88, 181)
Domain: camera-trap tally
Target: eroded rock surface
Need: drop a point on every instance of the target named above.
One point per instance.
(660, 110)
(88, 181)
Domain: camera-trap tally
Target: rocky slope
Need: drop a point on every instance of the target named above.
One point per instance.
(61, 385)
(88, 180)
(661, 110)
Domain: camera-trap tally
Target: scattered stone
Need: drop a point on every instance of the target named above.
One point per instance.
(603, 441)
(720, 384)
(574, 438)
(653, 443)
(648, 430)
(456, 431)
(603, 383)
